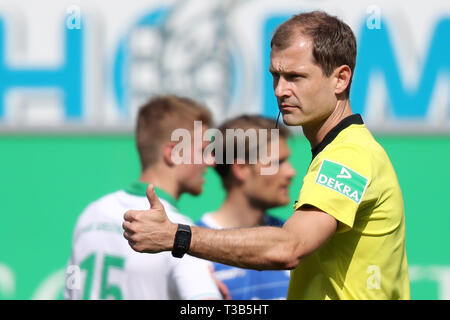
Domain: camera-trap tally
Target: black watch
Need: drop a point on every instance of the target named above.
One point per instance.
(182, 240)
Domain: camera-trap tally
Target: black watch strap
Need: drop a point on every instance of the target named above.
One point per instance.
(182, 240)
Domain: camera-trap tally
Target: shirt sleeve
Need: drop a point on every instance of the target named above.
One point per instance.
(192, 277)
(194, 280)
(336, 183)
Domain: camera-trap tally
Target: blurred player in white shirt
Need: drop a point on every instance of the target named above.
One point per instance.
(108, 267)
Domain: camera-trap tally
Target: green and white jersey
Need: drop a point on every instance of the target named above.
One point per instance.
(103, 265)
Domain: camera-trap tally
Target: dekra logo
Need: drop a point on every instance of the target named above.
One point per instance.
(342, 179)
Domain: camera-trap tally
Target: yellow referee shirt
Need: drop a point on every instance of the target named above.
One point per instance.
(352, 179)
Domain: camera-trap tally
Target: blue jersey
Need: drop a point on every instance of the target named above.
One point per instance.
(248, 284)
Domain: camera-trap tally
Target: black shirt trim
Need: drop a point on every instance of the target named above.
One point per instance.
(346, 122)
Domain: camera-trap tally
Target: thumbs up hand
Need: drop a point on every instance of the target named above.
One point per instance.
(150, 230)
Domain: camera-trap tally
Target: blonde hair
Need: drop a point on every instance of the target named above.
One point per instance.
(159, 117)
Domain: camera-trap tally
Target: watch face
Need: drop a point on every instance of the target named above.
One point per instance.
(182, 244)
(182, 241)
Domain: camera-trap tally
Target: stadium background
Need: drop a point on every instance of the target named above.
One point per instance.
(72, 74)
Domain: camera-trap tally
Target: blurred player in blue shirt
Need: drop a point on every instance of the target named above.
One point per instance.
(249, 194)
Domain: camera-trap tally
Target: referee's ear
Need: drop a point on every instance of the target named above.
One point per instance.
(343, 76)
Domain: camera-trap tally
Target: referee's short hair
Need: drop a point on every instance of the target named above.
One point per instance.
(334, 43)
(243, 122)
(159, 117)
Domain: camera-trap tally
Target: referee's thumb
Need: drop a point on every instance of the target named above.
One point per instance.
(153, 198)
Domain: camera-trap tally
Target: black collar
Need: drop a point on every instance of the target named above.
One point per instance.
(353, 119)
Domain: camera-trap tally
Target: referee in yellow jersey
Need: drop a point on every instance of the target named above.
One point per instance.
(346, 237)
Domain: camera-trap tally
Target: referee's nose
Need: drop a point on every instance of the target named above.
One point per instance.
(281, 88)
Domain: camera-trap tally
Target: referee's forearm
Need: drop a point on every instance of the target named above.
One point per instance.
(261, 248)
